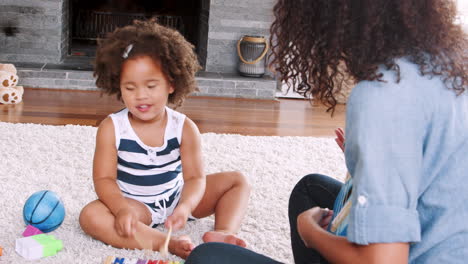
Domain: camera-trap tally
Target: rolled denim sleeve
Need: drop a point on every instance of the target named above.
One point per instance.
(385, 129)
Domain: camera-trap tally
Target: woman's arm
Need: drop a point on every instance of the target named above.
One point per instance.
(338, 249)
(194, 176)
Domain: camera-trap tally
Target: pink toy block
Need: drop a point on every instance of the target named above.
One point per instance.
(31, 231)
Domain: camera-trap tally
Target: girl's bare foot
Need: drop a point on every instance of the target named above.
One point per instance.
(219, 236)
(181, 246)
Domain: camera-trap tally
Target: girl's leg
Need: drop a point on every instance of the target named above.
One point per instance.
(226, 195)
(215, 253)
(312, 190)
(97, 221)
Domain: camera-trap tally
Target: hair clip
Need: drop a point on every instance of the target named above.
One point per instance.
(127, 51)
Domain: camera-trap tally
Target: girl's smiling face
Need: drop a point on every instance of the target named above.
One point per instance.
(145, 88)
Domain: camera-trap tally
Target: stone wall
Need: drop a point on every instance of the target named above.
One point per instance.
(42, 31)
(229, 21)
(42, 42)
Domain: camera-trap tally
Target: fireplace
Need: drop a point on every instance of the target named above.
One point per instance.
(46, 34)
(49, 41)
(93, 19)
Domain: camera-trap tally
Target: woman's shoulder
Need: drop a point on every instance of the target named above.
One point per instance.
(403, 85)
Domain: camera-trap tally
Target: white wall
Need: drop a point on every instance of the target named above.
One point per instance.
(462, 6)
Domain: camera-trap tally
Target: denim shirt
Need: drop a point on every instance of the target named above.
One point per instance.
(407, 153)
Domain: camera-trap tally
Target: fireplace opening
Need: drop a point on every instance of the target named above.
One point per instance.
(93, 19)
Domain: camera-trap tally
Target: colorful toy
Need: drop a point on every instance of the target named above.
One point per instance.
(1, 251)
(117, 260)
(31, 231)
(38, 246)
(44, 210)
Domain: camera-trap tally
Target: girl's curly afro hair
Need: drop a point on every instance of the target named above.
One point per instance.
(164, 45)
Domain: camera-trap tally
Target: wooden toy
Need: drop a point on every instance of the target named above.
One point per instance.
(164, 249)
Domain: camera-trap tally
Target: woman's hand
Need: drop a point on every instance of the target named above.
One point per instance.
(178, 218)
(312, 219)
(125, 222)
(340, 138)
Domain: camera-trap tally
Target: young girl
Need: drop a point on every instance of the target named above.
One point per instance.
(148, 165)
(406, 144)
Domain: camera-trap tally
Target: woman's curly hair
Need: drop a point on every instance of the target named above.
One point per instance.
(312, 41)
(178, 60)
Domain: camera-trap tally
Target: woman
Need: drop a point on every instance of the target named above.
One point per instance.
(406, 140)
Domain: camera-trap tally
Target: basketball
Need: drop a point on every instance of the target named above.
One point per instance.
(44, 210)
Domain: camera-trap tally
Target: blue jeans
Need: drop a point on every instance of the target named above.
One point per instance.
(312, 190)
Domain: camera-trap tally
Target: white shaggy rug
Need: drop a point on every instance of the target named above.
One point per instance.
(59, 158)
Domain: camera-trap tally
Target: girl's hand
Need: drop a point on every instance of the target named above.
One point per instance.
(178, 218)
(340, 138)
(311, 219)
(125, 222)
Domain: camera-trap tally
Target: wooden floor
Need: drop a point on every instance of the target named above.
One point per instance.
(284, 117)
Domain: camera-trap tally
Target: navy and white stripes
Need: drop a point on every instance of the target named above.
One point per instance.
(151, 175)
